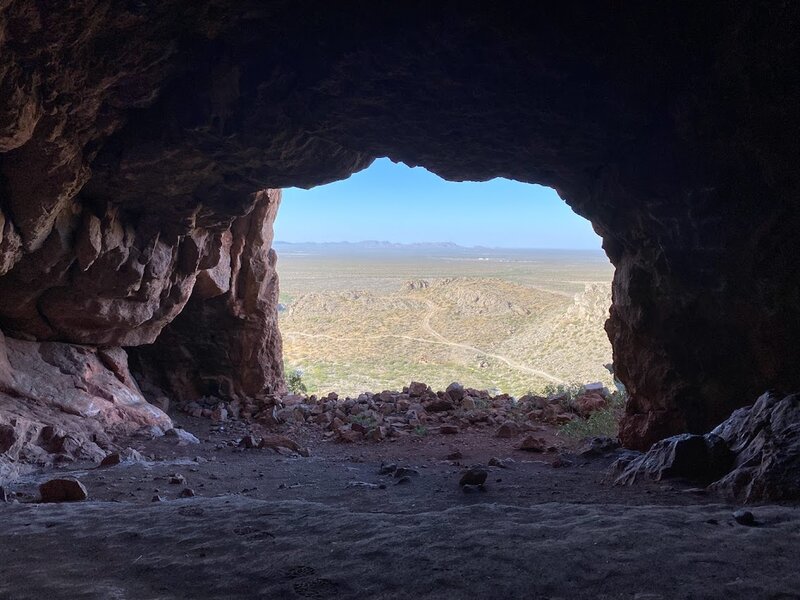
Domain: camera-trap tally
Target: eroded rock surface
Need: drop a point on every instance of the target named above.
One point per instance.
(62, 402)
(133, 135)
(226, 341)
(754, 456)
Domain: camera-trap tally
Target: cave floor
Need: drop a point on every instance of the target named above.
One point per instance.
(265, 525)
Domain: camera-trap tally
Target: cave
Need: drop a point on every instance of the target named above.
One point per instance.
(143, 146)
(135, 140)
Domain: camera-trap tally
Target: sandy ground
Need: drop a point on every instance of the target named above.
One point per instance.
(268, 526)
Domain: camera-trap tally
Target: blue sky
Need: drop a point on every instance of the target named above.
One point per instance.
(390, 201)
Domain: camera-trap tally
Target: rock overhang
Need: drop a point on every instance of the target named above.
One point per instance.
(135, 135)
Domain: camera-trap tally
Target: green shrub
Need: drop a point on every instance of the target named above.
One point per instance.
(294, 381)
(602, 422)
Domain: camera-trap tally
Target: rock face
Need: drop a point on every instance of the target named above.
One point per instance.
(62, 402)
(133, 137)
(754, 456)
(226, 342)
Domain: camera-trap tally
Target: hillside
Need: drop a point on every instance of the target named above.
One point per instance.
(486, 332)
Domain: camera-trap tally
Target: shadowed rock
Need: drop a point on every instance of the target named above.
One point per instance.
(134, 139)
(754, 456)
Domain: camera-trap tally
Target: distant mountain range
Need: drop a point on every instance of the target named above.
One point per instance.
(384, 246)
(366, 245)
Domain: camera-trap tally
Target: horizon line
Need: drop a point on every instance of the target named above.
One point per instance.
(439, 243)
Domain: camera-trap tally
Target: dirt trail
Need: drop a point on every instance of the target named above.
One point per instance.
(439, 339)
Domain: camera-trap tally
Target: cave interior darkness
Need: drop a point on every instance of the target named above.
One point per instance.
(672, 129)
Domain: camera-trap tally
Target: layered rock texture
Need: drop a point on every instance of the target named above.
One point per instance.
(754, 456)
(62, 402)
(134, 135)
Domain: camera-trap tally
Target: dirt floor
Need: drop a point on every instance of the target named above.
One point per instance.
(271, 526)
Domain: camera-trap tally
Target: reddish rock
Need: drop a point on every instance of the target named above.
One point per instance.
(63, 490)
(533, 444)
(509, 429)
(417, 389)
(439, 405)
(449, 429)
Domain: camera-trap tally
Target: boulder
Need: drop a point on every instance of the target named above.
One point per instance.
(753, 456)
(700, 458)
(63, 490)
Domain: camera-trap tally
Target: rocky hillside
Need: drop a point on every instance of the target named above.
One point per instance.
(488, 333)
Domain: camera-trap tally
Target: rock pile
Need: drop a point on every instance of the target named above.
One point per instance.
(417, 409)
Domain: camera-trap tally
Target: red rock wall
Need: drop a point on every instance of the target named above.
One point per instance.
(225, 342)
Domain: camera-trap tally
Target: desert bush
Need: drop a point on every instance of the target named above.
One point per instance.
(600, 423)
(294, 381)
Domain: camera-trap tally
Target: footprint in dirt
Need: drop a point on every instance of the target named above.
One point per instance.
(308, 586)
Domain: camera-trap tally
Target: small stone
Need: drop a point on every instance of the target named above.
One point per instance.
(156, 498)
(183, 436)
(509, 429)
(63, 490)
(496, 462)
(248, 441)
(405, 472)
(186, 493)
(177, 479)
(449, 429)
(532, 444)
(456, 455)
(473, 477)
(744, 517)
(387, 469)
(111, 460)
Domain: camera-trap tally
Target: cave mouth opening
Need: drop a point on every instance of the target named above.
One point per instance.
(396, 276)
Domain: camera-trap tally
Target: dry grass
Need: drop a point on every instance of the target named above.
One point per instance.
(506, 332)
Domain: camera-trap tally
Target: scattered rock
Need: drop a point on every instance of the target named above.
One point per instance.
(186, 493)
(248, 441)
(496, 462)
(533, 444)
(156, 498)
(473, 477)
(417, 389)
(405, 472)
(184, 437)
(455, 455)
(177, 479)
(439, 405)
(387, 469)
(63, 490)
(744, 517)
(598, 446)
(455, 391)
(449, 429)
(111, 460)
(508, 429)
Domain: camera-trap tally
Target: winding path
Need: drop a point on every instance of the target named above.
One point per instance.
(440, 339)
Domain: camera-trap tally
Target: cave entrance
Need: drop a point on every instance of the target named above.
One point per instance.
(396, 276)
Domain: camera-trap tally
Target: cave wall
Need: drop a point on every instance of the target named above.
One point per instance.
(133, 136)
(225, 342)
